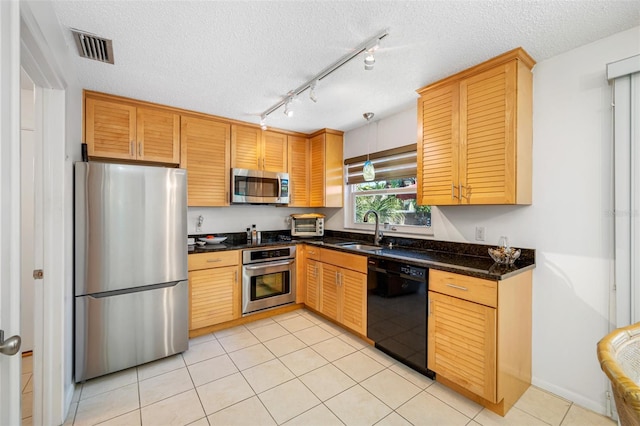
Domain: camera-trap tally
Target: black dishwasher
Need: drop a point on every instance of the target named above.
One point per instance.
(397, 311)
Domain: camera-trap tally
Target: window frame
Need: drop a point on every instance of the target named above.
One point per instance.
(349, 213)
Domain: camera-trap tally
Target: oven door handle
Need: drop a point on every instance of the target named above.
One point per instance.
(266, 265)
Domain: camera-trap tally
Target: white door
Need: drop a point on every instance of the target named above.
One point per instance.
(10, 206)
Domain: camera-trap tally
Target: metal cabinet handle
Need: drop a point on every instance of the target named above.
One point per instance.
(460, 192)
(132, 148)
(453, 188)
(458, 287)
(429, 308)
(235, 273)
(214, 260)
(11, 346)
(140, 149)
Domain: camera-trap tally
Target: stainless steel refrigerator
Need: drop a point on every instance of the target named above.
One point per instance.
(131, 288)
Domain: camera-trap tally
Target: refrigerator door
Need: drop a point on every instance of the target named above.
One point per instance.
(128, 329)
(130, 226)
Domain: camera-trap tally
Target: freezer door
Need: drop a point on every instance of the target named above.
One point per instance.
(130, 226)
(129, 329)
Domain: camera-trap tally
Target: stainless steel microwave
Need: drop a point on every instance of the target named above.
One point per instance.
(259, 187)
(307, 225)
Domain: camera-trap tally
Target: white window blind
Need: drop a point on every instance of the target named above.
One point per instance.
(394, 163)
(625, 75)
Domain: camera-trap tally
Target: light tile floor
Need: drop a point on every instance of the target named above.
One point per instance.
(294, 369)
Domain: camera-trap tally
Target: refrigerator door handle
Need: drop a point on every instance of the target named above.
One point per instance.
(133, 290)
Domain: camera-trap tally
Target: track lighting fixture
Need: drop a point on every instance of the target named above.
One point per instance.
(312, 92)
(369, 47)
(369, 60)
(263, 122)
(287, 108)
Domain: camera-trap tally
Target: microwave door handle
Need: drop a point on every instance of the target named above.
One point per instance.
(279, 187)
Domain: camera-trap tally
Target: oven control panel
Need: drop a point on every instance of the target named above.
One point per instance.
(268, 254)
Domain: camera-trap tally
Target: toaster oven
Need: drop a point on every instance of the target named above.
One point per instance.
(307, 225)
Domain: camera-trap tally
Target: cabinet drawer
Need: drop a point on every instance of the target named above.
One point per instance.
(464, 287)
(313, 252)
(344, 260)
(213, 260)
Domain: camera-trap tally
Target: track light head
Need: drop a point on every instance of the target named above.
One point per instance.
(369, 60)
(312, 92)
(287, 108)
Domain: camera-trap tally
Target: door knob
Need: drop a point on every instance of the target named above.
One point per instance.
(11, 346)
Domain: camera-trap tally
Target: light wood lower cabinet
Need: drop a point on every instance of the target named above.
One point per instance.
(214, 288)
(479, 336)
(336, 286)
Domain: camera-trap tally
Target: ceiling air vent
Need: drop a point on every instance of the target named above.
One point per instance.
(93, 47)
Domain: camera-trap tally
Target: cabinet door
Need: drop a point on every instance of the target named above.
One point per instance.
(214, 296)
(313, 284)
(206, 156)
(462, 343)
(110, 129)
(333, 170)
(316, 177)
(488, 136)
(438, 148)
(329, 300)
(158, 136)
(353, 286)
(274, 152)
(298, 171)
(245, 147)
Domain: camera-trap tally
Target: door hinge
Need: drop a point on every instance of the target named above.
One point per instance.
(38, 274)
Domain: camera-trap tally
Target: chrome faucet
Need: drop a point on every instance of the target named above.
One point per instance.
(377, 236)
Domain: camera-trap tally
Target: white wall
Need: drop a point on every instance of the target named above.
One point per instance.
(570, 222)
(237, 218)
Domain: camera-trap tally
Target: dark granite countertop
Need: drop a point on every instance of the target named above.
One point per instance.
(461, 258)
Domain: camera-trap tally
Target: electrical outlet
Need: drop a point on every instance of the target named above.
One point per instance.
(480, 233)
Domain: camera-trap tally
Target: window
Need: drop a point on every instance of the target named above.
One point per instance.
(392, 195)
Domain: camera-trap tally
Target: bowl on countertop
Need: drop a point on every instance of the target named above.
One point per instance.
(214, 240)
(504, 255)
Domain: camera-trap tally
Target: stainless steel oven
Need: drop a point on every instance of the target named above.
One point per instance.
(268, 278)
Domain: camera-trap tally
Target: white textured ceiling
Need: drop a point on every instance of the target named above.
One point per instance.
(237, 58)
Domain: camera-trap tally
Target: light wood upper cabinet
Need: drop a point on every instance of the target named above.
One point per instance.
(299, 162)
(252, 148)
(326, 180)
(476, 134)
(274, 151)
(120, 129)
(245, 147)
(479, 336)
(206, 146)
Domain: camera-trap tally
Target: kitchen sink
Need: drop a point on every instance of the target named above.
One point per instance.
(363, 247)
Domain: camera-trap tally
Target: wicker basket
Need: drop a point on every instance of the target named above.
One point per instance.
(619, 356)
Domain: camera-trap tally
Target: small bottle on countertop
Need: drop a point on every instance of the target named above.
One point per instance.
(254, 235)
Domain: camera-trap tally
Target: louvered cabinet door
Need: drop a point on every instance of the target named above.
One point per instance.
(488, 136)
(438, 148)
(317, 171)
(110, 129)
(312, 284)
(214, 296)
(206, 156)
(158, 136)
(353, 286)
(462, 343)
(274, 152)
(298, 161)
(245, 147)
(329, 304)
